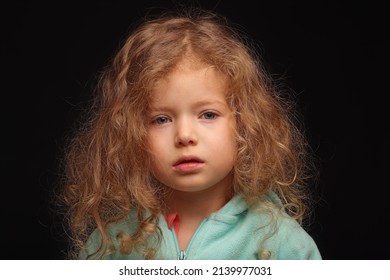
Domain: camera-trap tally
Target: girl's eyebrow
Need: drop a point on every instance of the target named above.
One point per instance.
(209, 102)
(200, 103)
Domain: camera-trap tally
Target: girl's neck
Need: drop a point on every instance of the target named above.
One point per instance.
(193, 207)
(196, 205)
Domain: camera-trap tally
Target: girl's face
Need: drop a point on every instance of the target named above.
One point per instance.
(191, 130)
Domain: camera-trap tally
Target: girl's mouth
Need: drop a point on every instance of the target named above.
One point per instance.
(188, 164)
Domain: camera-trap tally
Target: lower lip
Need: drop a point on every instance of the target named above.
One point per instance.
(188, 166)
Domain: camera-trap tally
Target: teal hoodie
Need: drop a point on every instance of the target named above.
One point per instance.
(235, 232)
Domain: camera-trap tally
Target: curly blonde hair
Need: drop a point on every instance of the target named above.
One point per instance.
(107, 162)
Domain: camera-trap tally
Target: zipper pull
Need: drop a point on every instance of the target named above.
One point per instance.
(182, 255)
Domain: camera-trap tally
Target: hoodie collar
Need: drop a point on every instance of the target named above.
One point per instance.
(230, 211)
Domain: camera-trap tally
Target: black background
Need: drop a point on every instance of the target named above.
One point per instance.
(334, 55)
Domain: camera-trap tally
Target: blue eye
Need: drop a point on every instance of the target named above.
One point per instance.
(209, 115)
(161, 120)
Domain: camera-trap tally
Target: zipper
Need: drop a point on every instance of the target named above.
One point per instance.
(182, 254)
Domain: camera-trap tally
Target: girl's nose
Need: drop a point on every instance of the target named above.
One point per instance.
(185, 133)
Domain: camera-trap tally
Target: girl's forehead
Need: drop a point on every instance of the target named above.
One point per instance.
(188, 80)
(192, 64)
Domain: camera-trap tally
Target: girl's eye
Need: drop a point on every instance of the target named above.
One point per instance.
(161, 120)
(209, 115)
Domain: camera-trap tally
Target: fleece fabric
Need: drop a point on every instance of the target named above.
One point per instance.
(235, 232)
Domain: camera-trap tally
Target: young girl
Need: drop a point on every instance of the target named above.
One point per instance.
(189, 152)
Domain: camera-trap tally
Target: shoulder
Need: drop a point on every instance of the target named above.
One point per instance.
(282, 235)
(94, 248)
(294, 241)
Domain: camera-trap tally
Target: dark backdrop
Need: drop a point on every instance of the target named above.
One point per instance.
(333, 55)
